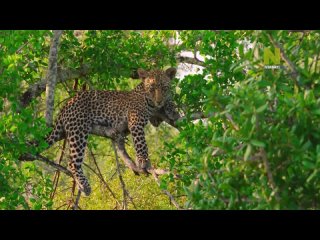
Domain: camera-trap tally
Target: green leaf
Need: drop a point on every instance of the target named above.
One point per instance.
(262, 108)
(37, 206)
(258, 143)
(241, 52)
(316, 112)
(238, 69)
(308, 165)
(248, 152)
(253, 119)
(312, 176)
(13, 128)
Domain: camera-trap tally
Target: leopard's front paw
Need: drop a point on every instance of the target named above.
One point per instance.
(85, 187)
(87, 190)
(145, 166)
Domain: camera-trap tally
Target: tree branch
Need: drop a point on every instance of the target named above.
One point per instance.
(30, 157)
(52, 77)
(172, 200)
(292, 67)
(155, 172)
(57, 173)
(130, 164)
(100, 176)
(195, 116)
(201, 115)
(123, 185)
(76, 203)
(22, 46)
(233, 124)
(189, 60)
(63, 75)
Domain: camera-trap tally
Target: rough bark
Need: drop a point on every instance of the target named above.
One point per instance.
(189, 60)
(52, 77)
(63, 75)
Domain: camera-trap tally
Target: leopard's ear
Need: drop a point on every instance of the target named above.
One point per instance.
(171, 72)
(142, 73)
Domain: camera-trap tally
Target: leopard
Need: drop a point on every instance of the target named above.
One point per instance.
(168, 113)
(123, 111)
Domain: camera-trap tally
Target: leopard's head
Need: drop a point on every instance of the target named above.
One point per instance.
(157, 84)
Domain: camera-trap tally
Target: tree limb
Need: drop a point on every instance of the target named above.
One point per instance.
(57, 173)
(123, 185)
(172, 200)
(22, 46)
(63, 75)
(195, 116)
(189, 60)
(130, 164)
(292, 67)
(76, 203)
(100, 176)
(30, 157)
(155, 172)
(52, 77)
(233, 124)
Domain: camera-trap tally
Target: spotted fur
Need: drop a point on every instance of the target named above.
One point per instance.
(118, 110)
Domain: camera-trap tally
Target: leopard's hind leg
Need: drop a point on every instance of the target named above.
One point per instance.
(78, 141)
(57, 134)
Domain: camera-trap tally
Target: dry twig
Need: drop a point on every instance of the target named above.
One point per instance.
(166, 192)
(123, 185)
(57, 173)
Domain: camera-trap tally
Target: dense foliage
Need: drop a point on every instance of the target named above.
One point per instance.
(256, 146)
